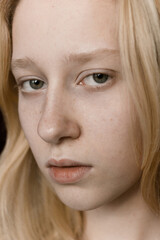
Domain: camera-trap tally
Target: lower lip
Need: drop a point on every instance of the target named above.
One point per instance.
(68, 174)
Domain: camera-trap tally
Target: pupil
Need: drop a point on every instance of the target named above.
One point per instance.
(100, 77)
(36, 82)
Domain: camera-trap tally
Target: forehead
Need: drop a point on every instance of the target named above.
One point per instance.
(59, 26)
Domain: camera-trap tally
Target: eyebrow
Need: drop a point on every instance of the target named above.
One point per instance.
(22, 63)
(83, 57)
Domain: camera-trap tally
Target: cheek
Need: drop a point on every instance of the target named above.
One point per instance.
(109, 135)
(110, 126)
(29, 114)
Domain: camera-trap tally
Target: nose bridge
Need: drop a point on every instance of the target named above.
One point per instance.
(56, 120)
(53, 106)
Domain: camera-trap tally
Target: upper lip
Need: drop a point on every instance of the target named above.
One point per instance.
(64, 163)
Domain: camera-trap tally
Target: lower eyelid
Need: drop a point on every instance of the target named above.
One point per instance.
(100, 87)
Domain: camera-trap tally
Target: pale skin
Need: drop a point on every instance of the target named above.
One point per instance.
(62, 44)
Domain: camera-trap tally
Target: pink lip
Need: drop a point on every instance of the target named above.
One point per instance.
(67, 171)
(64, 163)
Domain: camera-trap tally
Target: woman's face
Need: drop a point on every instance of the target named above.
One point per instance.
(73, 101)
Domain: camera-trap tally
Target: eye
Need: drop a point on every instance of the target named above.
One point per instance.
(97, 80)
(100, 77)
(32, 85)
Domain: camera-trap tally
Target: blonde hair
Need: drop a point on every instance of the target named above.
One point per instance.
(29, 207)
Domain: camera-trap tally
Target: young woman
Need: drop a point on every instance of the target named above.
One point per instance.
(80, 94)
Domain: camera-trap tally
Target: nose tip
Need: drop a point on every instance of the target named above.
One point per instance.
(57, 129)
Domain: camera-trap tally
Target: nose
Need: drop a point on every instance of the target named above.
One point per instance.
(57, 122)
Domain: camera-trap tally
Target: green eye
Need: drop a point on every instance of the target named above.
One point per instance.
(100, 77)
(36, 84)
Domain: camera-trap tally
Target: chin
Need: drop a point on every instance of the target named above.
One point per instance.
(83, 206)
(82, 203)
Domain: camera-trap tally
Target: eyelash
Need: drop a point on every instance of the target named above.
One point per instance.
(109, 77)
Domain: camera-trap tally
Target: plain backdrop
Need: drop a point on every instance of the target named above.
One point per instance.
(2, 133)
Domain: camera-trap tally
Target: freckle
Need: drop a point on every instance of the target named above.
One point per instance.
(111, 119)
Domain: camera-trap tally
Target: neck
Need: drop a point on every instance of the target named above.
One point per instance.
(127, 218)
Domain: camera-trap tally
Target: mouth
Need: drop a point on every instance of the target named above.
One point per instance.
(67, 171)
